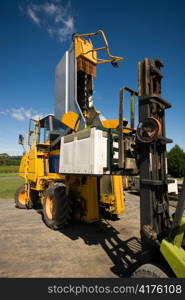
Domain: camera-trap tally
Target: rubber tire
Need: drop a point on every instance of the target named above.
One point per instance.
(20, 205)
(149, 271)
(63, 207)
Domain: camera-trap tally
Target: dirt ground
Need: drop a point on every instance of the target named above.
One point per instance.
(30, 249)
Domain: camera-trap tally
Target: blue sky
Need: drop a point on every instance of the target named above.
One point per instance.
(35, 34)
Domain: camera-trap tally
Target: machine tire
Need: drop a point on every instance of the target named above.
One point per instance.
(57, 207)
(19, 199)
(149, 271)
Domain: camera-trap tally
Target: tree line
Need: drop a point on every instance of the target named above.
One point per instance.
(176, 162)
(7, 160)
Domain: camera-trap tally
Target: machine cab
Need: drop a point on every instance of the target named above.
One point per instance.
(45, 131)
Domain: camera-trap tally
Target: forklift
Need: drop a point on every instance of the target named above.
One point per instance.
(161, 234)
(75, 162)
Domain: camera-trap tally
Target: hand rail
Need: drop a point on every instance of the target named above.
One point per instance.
(121, 117)
(113, 59)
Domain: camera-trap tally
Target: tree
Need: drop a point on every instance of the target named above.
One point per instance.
(6, 160)
(176, 162)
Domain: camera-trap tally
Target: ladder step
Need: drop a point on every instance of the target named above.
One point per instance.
(165, 140)
(115, 138)
(115, 160)
(152, 182)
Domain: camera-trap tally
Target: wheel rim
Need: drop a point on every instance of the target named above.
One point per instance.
(50, 209)
(22, 198)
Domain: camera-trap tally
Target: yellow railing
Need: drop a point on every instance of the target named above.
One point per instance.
(113, 59)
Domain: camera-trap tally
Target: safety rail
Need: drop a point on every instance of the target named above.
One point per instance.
(113, 59)
(121, 117)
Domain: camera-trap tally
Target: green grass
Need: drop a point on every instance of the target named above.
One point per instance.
(8, 174)
(8, 185)
(9, 169)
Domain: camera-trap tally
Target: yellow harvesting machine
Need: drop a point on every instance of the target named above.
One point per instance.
(71, 167)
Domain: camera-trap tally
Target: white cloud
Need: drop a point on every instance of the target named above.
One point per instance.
(18, 115)
(102, 117)
(21, 114)
(66, 30)
(51, 31)
(33, 16)
(3, 112)
(55, 17)
(37, 117)
(49, 8)
(69, 23)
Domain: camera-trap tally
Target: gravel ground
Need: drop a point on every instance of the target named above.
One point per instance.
(104, 249)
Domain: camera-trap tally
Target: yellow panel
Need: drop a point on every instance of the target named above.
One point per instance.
(23, 165)
(118, 193)
(85, 190)
(110, 124)
(175, 256)
(55, 152)
(90, 192)
(114, 124)
(52, 176)
(84, 48)
(32, 166)
(111, 193)
(71, 120)
(28, 165)
(56, 176)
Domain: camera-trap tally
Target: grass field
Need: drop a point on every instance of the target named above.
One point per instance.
(9, 169)
(8, 185)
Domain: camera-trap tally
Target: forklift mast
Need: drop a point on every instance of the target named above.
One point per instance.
(154, 204)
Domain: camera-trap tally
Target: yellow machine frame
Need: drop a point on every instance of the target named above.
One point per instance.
(34, 167)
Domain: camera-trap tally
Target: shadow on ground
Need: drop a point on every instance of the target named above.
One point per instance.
(125, 255)
(120, 242)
